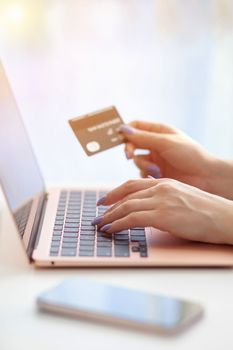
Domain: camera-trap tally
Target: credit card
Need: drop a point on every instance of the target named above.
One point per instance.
(98, 131)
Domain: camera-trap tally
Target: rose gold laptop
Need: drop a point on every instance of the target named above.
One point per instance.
(55, 225)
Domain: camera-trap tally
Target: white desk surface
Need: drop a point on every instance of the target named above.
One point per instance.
(23, 327)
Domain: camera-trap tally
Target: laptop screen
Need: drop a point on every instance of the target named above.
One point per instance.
(20, 175)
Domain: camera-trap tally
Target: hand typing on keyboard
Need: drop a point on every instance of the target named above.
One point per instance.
(168, 205)
(190, 195)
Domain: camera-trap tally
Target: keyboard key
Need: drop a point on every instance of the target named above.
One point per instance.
(70, 234)
(57, 233)
(60, 212)
(59, 222)
(56, 238)
(71, 229)
(58, 227)
(86, 230)
(121, 251)
(86, 222)
(143, 254)
(104, 251)
(68, 252)
(124, 242)
(104, 244)
(86, 248)
(73, 217)
(135, 249)
(138, 238)
(70, 239)
(69, 245)
(87, 215)
(74, 208)
(121, 238)
(72, 225)
(143, 248)
(72, 221)
(75, 203)
(54, 250)
(61, 218)
(87, 243)
(62, 205)
(104, 239)
(55, 243)
(73, 213)
(84, 253)
(87, 237)
(137, 232)
(87, 233)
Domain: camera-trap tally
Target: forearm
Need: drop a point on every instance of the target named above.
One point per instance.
(221, 178)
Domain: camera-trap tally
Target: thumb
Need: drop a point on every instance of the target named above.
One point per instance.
(146, 139)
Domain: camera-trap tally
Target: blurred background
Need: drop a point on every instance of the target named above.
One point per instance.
(166, 60)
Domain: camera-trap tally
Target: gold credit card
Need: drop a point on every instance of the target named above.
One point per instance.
(99, 130)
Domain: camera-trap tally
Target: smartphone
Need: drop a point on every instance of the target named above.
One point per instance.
(94, 300)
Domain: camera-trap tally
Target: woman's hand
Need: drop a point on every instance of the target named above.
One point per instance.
(168, 205)
(172, 154)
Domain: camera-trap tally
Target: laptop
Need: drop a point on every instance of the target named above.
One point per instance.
(55, 224)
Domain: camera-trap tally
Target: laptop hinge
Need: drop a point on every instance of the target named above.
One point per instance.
(37, 225)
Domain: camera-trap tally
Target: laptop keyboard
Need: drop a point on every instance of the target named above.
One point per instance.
(74, 235)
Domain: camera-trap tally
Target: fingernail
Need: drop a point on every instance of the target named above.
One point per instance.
(105, 228)
(127, 129)
(97, 220)
(155, 170)
(127, 155)
(101, 200)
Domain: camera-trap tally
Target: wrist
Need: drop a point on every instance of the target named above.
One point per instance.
(220, 179)
(225, 223)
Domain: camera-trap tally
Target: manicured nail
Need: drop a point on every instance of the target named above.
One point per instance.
(127, 155)
(97, 220)
(105, 228)
(155, 170)
(127, 129)
(101, 200)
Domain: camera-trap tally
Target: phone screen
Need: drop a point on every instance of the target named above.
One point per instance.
(89, 298)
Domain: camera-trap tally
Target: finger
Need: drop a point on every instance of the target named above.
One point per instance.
(126, 188)
(143, 194)
(129, 206)
(144, 174)
(154, 127)
(135, 219)
(129, 150)
(147, 140)
(143, 163)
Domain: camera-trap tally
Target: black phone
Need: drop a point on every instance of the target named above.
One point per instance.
(124, 306)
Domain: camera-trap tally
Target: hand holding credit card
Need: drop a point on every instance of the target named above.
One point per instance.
(98, 131)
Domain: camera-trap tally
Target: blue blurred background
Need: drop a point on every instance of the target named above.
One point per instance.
(166, 60)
